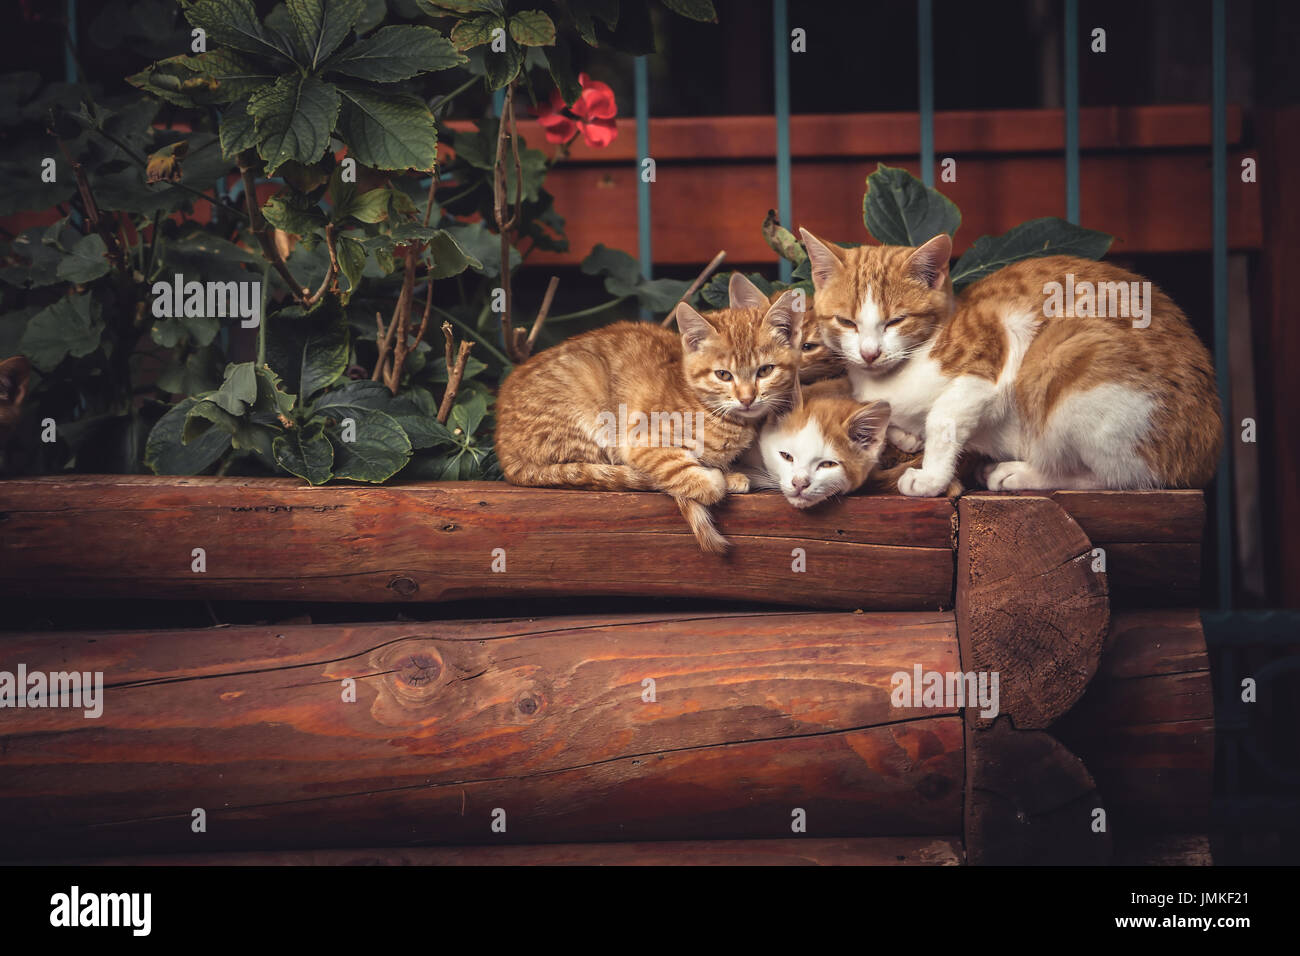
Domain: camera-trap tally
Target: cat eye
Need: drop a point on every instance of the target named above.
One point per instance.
(723, 374)
(847, 323)
(809, 346)
(786, 455)
(828, 464)
(893, 322)
(764, 371)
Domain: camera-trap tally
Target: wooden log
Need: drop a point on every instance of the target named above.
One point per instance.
(861, 851)
(1029, 801)
(1151, 539)
(279, 539)
(754, 718)
(1029, 606)
(1146, 725)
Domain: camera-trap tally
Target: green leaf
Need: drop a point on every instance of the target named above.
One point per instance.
(294, 119)
(86, 262)
(70, 327)
(370, 206)
(1047, 236)
(585, 13)
(239, 389)
(900, 210)
(352, 261)
(467, 414)
(439, 8)
(397, 53)
(701, 10)
(612, 262)
(532, 28)
(380, 450)
(234, 23)
(243, 433)
(238, 129)
(449, 258)
(471, 33)
(483, 247)
(39, 265)
(388, 131)
(292, 212)
(305, 452)
(321, 25)
(272, 399)
(502, 68)
(199, 373)
(166, 453)
(197, 329)
(373, 15)
(782, 240)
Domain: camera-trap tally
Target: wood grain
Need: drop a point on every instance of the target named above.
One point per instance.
(1029, 605)
(754, 716)
(279, 539)
(1145, 727)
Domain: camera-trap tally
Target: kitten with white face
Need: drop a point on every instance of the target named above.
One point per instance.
(827, 446)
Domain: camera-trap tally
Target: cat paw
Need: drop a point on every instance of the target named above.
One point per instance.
(708, 486)
(918, 483)
(1012, 476)
(737, 483)
(904, 441)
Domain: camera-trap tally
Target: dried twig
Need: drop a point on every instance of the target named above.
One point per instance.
(541, 316)
(448, 345)
(698, 284)
(500, 203)
(247, 160)
(330, 233)
(454, 375)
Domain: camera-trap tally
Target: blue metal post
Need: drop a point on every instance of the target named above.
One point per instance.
(1219, 202)
(925, 58)
(1072, 111)
(641, 79)
(781, 70)
(69, 54)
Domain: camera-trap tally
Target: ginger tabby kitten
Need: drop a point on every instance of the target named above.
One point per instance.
(1054, 400)
(717, 380)
(14, 375)
(827, 445)
(816, 359)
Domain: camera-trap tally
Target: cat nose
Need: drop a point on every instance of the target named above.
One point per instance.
(800, 482)
(745, 400)
(870, 356)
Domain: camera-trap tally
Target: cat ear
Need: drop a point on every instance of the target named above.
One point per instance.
(826, 260)
(693, 326)
(14, 373)
(783, 319)
(929, 263)
(866, 427)
(744, 294)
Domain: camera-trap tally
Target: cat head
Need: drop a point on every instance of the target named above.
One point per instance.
(880, 304)
(816, 359)
(14, 375)
(827, 446)
(741, 362)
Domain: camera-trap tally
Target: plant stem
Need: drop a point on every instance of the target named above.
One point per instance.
(583, 313)
(444, 101)
(261, 326)
(464, 327)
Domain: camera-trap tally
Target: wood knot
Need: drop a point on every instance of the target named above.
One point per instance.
(403, 585)
(419, 669)
(529, 705)
(449, 527)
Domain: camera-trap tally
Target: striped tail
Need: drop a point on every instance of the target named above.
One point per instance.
(579, 474)
(701, 522)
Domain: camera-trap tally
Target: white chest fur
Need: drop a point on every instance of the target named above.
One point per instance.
(910, 389)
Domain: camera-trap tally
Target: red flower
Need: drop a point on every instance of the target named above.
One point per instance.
(592, 114)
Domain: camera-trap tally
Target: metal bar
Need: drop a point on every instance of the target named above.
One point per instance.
(925, 57)
(645, 253)
(1072, 111)
(781, 71)
(1219, 202)
(70, 45)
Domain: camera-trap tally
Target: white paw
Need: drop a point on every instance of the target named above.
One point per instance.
(918, 483)
(737, 483)
(904, 441)
(1012, 476)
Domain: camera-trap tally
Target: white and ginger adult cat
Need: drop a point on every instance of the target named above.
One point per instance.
(1054, 401)
(718, 379)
